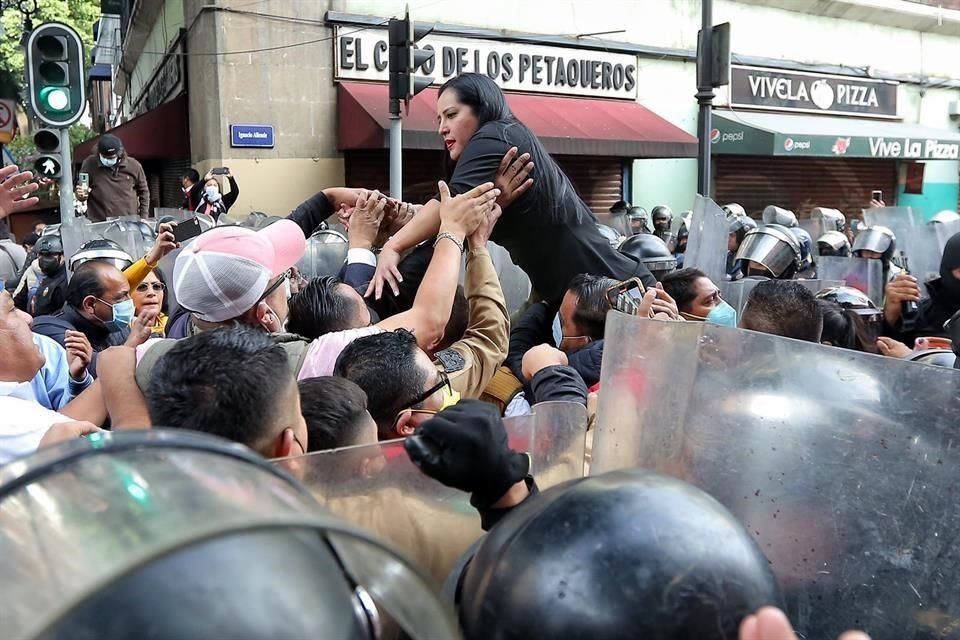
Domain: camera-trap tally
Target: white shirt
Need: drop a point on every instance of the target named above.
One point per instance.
(23, 421)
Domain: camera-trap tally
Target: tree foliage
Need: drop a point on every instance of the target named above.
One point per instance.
(79, 14)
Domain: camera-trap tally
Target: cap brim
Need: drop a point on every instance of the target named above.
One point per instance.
(288, 243)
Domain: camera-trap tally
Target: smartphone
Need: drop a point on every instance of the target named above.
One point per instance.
(877, 195)
(626, 296)
(84, 179)
(219, 171)
(186, 230)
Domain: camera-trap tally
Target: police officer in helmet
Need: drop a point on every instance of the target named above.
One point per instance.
(770, 251)
(833, 243)
(52, 290)
(662, 219)
(652, 252)
(738, 228)
(878, 243)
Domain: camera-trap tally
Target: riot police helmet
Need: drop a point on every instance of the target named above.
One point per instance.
(806, 247)
(774, 248)
(851, 299)
(325, 253)
(876, 239)
(831, 219)
(740, 226)
(833, 243)
(49, 244)
(582, 560)
(937, 357)
(734, 210)
(102, 250)
(652, 252)
(778, 215)
(638, 219)
(945, 217)
(662, 213)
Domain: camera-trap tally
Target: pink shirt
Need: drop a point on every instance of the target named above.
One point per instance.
(323, 352)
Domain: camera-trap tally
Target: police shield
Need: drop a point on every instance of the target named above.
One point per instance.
(916, 240)
(737, 293)
(513, 280)
(377, 488)
(859, 273)
(325, 254)
(159, 526)
(707, 242)
(842, 464)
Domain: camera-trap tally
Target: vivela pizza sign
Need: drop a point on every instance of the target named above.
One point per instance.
(779, 90)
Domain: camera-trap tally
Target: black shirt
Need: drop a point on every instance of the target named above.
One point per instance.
(553, 243)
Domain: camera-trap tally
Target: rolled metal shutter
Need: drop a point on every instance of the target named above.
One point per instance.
(597, 179)
(371, 170)
(801, 184)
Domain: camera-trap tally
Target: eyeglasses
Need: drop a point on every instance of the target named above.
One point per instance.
(143, 287)
(426, 413)
(407, 407)
(276, 285)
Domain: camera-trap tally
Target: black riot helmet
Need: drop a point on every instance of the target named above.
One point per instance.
(49, 244)
(102, 250)
(662, 216)
(773, 247)
(878, 239)
(620, 206)
(833, 243)
(622, 555)
(639, 220)
(652, 252)
(266, 561)
(740, 226)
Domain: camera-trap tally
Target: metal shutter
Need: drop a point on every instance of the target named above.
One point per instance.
(800, 184)
(597, 179)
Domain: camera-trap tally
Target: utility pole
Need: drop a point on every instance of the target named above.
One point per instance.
(704, 97)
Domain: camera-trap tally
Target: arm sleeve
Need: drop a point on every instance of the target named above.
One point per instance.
(309, 214)
(143, 192)
(533, 328)
(231, 197)
(490, 517)
(478, 163)
(484, 345)
(357, 274)
(558, 384)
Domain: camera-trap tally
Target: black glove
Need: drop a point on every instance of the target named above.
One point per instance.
(465, 447)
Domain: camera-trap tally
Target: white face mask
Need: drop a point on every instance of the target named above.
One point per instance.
(107, 162)
(212, 193)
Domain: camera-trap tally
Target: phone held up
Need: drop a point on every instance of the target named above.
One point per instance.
(220, 171)
(186, 230)
(626, 296)
(877, 195)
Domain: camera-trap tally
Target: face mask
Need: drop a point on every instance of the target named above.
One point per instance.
(122, 315)
(108, 162)
(450, 397)
(212, 193)
(49, 265)
(557, 331)
(723, 315)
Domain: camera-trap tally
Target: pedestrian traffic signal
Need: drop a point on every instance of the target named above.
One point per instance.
(405, 60)
(55, 74)
(49, 164)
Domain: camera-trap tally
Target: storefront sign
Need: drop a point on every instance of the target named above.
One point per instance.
(363, 55)
(251, 135)
(772, 89)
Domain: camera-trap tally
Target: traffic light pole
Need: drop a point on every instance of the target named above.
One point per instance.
(396, 156)
(67, 216)
(705, 98)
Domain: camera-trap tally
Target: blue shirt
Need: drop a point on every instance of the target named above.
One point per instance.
(52, 386)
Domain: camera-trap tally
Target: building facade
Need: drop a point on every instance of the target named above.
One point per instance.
(291, 95)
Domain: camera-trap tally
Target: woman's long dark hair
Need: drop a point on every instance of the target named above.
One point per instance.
(488, 104)
(845, 328)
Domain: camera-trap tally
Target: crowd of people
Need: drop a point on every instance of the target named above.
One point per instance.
(236, 343)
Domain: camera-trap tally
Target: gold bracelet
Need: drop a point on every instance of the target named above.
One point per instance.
(450, 237)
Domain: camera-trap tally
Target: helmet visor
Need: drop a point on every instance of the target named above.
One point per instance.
(871, 240)
(773, 253)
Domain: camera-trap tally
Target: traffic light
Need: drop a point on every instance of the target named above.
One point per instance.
(49, 164)
(405, 60)
(55, 73)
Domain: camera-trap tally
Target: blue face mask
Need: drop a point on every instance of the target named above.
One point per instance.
(723, 315)
(107, 162)
(122, 315)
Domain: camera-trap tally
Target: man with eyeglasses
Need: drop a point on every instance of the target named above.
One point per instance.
(98, 310)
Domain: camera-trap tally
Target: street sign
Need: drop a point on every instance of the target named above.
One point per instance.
(251, 135)
(8, 120)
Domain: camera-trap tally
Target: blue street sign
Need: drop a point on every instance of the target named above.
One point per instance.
(251, 135)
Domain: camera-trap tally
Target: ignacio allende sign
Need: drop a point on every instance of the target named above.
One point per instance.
(778, 90)
(363, 55)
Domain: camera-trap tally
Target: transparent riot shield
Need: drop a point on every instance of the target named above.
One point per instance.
(77, 519)
(377, 488)
(325, 254)
(916, 239)
(842, 464)
(944, 231)
(814, 228)
(513, 280)
(133, 235)
(737, 293)
(707, 243)
(859, 273)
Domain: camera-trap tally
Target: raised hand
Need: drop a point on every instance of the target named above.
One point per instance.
(15, 185)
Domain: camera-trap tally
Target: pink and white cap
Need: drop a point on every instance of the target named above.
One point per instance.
(224, 272)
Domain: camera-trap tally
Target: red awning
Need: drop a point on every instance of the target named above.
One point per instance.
(160, 134)
(568, 126)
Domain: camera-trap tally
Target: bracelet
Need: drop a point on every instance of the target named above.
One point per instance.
(450, 237)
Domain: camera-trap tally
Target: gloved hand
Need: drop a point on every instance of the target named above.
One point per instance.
(465, 447)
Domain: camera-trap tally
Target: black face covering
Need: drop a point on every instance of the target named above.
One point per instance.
(49, 265)
(949, 262)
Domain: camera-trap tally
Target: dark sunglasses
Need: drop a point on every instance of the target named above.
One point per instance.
(143, 287)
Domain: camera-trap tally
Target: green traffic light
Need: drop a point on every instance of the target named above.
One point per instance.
(55, 99)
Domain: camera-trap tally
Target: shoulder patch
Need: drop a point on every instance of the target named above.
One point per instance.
(450, 360)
